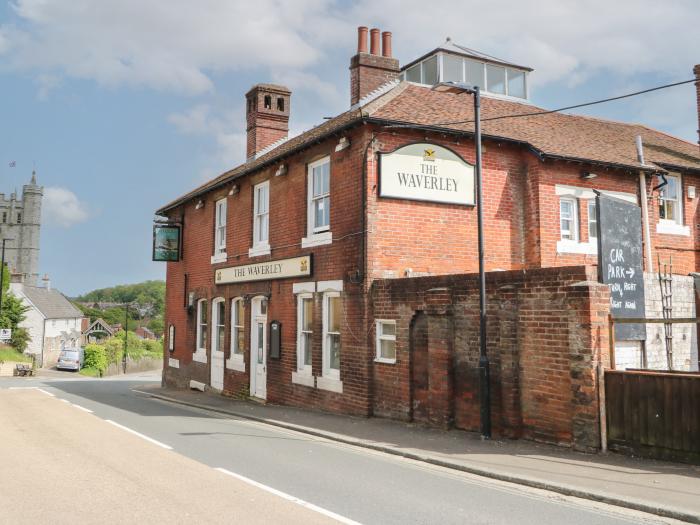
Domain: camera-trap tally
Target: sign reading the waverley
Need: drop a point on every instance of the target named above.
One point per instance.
(426, 172)
(282, 269)
(620, 263)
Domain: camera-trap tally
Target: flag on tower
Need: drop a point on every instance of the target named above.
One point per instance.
(13, 164)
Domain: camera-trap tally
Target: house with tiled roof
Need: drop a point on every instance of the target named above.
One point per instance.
(273, 294)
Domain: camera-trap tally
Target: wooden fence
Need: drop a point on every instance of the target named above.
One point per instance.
(654, 414)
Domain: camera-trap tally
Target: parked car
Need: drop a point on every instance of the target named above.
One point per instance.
(71, 359)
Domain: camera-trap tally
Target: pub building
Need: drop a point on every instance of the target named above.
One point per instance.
(272, 294)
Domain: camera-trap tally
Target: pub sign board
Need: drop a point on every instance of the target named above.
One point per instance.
(620, 263)
(264, 271)
(426, 172)
(166, 242)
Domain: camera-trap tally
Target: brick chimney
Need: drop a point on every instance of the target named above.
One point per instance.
(368, 71)
(696, 70)
(267, 116)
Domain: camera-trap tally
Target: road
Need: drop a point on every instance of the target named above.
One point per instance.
(86, 451)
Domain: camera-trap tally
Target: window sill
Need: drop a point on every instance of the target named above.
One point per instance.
(236, 363)
(260, 249)
(317, 239)
(219, 258)
(329, 383)
(585, 248)
(672, 228)
(200, 356)
(385, 360)
(302, 378)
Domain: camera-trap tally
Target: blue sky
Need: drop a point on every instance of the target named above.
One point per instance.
(122, 105)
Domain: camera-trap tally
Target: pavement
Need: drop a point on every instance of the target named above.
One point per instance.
(665, 489)
(63, 465)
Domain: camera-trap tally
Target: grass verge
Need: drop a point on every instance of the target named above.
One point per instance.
(10, 354)
(90, 372)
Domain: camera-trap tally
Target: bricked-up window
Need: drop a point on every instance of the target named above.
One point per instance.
(261, 214)
(386, 341)
(220, 228)
(319, 215)
(669, 199)
(237, 328)
(201, 324)
(4, 217)
(218, 324)
(568, 219)
(592, 221)
(305, 321)
(331, 334)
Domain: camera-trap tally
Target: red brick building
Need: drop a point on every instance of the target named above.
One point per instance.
(310, 233)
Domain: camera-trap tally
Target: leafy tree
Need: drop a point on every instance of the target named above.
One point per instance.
(12, 314)
(156, 325)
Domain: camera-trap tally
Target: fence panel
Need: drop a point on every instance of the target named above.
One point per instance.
(654, 414)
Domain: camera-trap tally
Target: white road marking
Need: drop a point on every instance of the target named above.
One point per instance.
(64, 400)
(45, 392)
(82, 408)
(139, 434)
(22, 388)
(298, 501)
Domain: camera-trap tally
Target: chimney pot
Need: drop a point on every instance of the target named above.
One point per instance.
(386, 44)
(362, 39)
(374, 41)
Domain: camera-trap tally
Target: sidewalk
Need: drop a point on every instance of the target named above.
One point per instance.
(666, 489)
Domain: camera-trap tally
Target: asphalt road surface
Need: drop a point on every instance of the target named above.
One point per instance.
(77, 450)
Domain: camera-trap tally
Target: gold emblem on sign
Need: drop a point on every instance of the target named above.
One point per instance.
(218, 276)
(303, 265)
(429, 154)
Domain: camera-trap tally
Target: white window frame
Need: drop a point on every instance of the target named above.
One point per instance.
(220, 231)
(200, 353)
(260, 247)
(216, 323)
(676, 225)
(303, 368)
(328, 372)
(591, 207)
(236, 360)
(381, 336)
(316, 236)
(574, 220)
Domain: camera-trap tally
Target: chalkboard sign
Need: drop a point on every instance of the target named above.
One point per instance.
(620, 263)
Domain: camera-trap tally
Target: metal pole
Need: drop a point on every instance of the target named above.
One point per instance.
(2, 274)
(484, 372)
(126, 335)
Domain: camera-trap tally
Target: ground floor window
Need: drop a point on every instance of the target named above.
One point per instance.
(568, 219)
(218, 324)
(237, 334)
(386, 341)
(331, 334)
(305, 319)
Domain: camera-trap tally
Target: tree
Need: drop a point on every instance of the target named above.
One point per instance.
(12, 315)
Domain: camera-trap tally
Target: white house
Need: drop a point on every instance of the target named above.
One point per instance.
(52, 321)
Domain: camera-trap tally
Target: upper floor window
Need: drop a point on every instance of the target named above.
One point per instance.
(220, 227)
(592, 221)
(4, 217)
(319, 218)
(201, 325)
(568, 219)
(670, 202)
(261, 213)
(19, 218)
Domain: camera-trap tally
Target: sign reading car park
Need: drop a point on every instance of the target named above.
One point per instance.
(280, 269)
(620, 263)
(426, 172)
(5, 334)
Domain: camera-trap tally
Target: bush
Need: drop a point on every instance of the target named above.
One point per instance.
(153, 347)
(96, 357)
(114, 349)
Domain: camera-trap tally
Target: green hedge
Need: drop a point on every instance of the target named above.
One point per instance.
(96, 357)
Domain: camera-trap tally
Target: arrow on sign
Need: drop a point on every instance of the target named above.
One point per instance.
(630, 272)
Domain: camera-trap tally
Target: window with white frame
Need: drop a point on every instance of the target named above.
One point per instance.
(386, 340)
(305, 320)
(261, 214)
(319, 206)
(220, 228)
(568, 220)
(670, 205)
(218, 324)
(331, 334)
(592, 221)
(201, 325)
(237, 333)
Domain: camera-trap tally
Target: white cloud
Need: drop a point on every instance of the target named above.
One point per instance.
(61, 207)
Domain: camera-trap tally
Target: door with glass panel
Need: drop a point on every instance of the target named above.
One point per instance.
(218, 328)
(258, 348)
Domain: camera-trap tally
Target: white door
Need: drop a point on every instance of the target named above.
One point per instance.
(217, 344)
(258, 348)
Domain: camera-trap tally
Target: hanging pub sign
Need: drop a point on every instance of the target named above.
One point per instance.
(166, 242)
(426, 172)
(280, 269)
(620, 263)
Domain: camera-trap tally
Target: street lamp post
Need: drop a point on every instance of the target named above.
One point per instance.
(484, 372)
(2, 272)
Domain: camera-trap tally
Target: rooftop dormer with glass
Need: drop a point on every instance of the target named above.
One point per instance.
(452, 62)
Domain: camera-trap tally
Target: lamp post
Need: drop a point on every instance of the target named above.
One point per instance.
(484, 372)
(2, 272)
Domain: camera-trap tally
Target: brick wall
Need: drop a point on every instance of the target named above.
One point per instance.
(547, 332)
(368, 72)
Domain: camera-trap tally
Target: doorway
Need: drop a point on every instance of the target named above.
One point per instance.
(258, 347)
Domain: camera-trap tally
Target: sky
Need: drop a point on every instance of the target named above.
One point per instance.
(123, 105)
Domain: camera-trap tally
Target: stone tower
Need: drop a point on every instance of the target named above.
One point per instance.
(20, 221)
